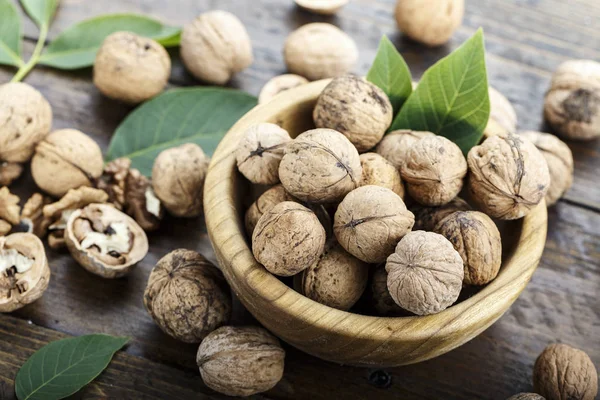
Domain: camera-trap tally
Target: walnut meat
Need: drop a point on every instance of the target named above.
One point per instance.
(502, 111)
(288, 239)
(434, 171)
(563, 372)
(526, 396)
(572, 104)
(264, 203)
(178, 178)
(260, 151)
(427, 218)
(356, 108)
(394, 146)
(381, 299)
(320, 166)
(280, 84)
(240, 361)
(187, 296)
(320, 50)
(508, 176)
(24, 271)
(425, 274)
(431, 22)
(559, 158)
(215, 46)
(370, 221)
(477, 239)
(141, 203)
(32, 215)
(337, 279)
(113, 181)
(131, 68)
(378, 171)
(9, 210)
(9, 172)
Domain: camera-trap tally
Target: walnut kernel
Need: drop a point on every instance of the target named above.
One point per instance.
(140, 201)
(9, 210)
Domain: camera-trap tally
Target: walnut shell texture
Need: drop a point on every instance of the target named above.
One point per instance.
(427, 218)
(240, 361)
(381, 299)
(264, 203)
(370, 221)
(280, 84)
(356, 108)
(563, 372)
(431, 22)
(425, 274)
(187, 296)
(378, 171)
(502, 111)
(526, 396)
(394, 146)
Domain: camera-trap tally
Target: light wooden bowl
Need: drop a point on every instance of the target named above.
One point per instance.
(325, 332)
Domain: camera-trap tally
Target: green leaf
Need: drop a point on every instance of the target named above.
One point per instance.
(76, 47)
(391, 74)
(191, 115)
(61, 368)
(41, 11)
(452, 97)
(10, 34)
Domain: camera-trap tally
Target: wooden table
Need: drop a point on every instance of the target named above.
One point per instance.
(525, 39)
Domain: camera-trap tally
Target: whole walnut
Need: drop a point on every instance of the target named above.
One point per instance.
(337, 279)
(240, 361)
(264, 203)
(502, 111)
(425, 274)
(356, 108)
(378, 171)
(187, 296)
(131, 68)
(526, 396)
(572, 104)
(288, 239)
(66, 159)
(394, 146)
(25, 119)
(280, 84)
(320, 50)
(320, 166)
(178, 178)
(260, 151)
(477, 239)
(427, 218)
(370, 221)
(563, 372)
(431, 22)
(560, 163)
(381, 299)
(508, 176)
(434, 170)
(215, 46)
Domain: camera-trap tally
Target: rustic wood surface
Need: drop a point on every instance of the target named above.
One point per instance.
(526, 40)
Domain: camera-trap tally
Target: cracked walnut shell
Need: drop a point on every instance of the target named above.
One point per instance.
(240, 361)
(113, 181)
(280, 84)
(187, 296)
(431, 22)
(378, 171)
(563, 372)
(370, 221)
(356, 108)
(394, 146)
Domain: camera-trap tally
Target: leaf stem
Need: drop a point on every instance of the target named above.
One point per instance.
(33, 60)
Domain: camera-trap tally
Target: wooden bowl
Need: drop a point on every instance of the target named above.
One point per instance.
(328, 333)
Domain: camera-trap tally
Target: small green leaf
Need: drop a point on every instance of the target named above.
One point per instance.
(76, 47)
(190, 115)
(452, 97)
(62, 368)
(41, 11)
(391, 74)
(10, 34)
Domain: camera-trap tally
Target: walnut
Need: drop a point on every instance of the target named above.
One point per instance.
(240, 361)
(431, 22)
(381, 299)
(25, 119)
(260, 151)
(370, 221)
(323, 7)
(288, 239)
(378, 171)
(131, 68)
(559, 158)
(336, 279)
(187, 296)
(113, 180)
(24, 271)
(425, 274)
(105, 241)
(141, 203)
(394, 146)
(66, 159)
(572, 104)
(178, 178)
(427, 218)
(477, 239)
(215, 46)
(264, 203)
(9, 210)
(321, 166)
(508, 176)
(434, 170)
(563, 372)
(526, 396)
(502, 111)
(32, 216)
(9, 172)
(280, 84)
(320, 50)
